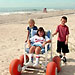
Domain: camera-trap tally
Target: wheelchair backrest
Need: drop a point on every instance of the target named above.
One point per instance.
(48, 34)
(33, 32)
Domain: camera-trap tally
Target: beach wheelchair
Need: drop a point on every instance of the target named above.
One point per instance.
(50, 65)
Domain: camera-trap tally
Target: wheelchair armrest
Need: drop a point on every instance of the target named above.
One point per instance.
(46, 47)
(25, 46)
(47, 44)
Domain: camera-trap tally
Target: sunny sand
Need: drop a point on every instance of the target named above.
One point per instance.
(13, 34)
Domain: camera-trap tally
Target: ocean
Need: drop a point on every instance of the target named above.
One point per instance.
(20, 10)
(13, 10)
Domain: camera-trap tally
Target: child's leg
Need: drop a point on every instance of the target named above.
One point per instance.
(64, 58)
(65, 50)
(64, 54)
(32, 49)
(30, 63)
(37, 51)
(59, 53)
(31, 58)
(59, 46)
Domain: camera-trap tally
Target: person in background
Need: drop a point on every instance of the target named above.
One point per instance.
(45, 10)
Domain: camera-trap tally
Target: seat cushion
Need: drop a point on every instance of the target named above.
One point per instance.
(42, 50)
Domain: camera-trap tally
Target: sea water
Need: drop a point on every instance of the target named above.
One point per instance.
(20, 10)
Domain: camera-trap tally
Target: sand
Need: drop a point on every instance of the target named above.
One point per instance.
(13, 34)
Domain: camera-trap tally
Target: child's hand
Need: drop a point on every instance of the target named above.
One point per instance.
(52, 35)
(29, 45)
(66, 42)
(25, 40)
(43, 45)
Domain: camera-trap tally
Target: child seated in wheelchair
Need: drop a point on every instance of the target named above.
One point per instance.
(39, 42)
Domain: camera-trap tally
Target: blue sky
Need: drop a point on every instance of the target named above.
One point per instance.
(38, 3)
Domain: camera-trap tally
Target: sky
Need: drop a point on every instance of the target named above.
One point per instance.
(38, 3)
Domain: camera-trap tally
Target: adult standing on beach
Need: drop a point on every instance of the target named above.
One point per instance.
(62, 41)
(45, 10)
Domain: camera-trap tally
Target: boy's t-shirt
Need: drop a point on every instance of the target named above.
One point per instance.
(62, 32)
(39, 40)
(33, 32)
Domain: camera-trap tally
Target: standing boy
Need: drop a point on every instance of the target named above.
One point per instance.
(62, 41)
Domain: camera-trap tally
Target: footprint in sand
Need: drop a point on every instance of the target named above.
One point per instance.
(3, 47)
(18, 49)
(5, 72)
(15, 39)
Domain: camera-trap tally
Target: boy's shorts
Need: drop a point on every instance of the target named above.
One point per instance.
(62, 47)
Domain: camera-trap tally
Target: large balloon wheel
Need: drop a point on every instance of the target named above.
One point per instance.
(57, 60)
(22, 59)
(15, 67)
(51, 69)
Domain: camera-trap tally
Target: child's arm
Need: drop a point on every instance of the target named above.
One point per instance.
(57, 30)
(43, 45)
(67, 36)
(29, 43)
(47, 41)
(27, 36)
(54, 33)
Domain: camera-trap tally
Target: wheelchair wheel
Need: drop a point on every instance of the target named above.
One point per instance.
(51, 69)
(57, 60)
(22, 59)
(15, 67)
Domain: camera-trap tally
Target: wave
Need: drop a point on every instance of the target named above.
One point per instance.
(52, 9)
(8, 11)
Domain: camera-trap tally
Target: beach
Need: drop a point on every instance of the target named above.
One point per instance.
(13, 32)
